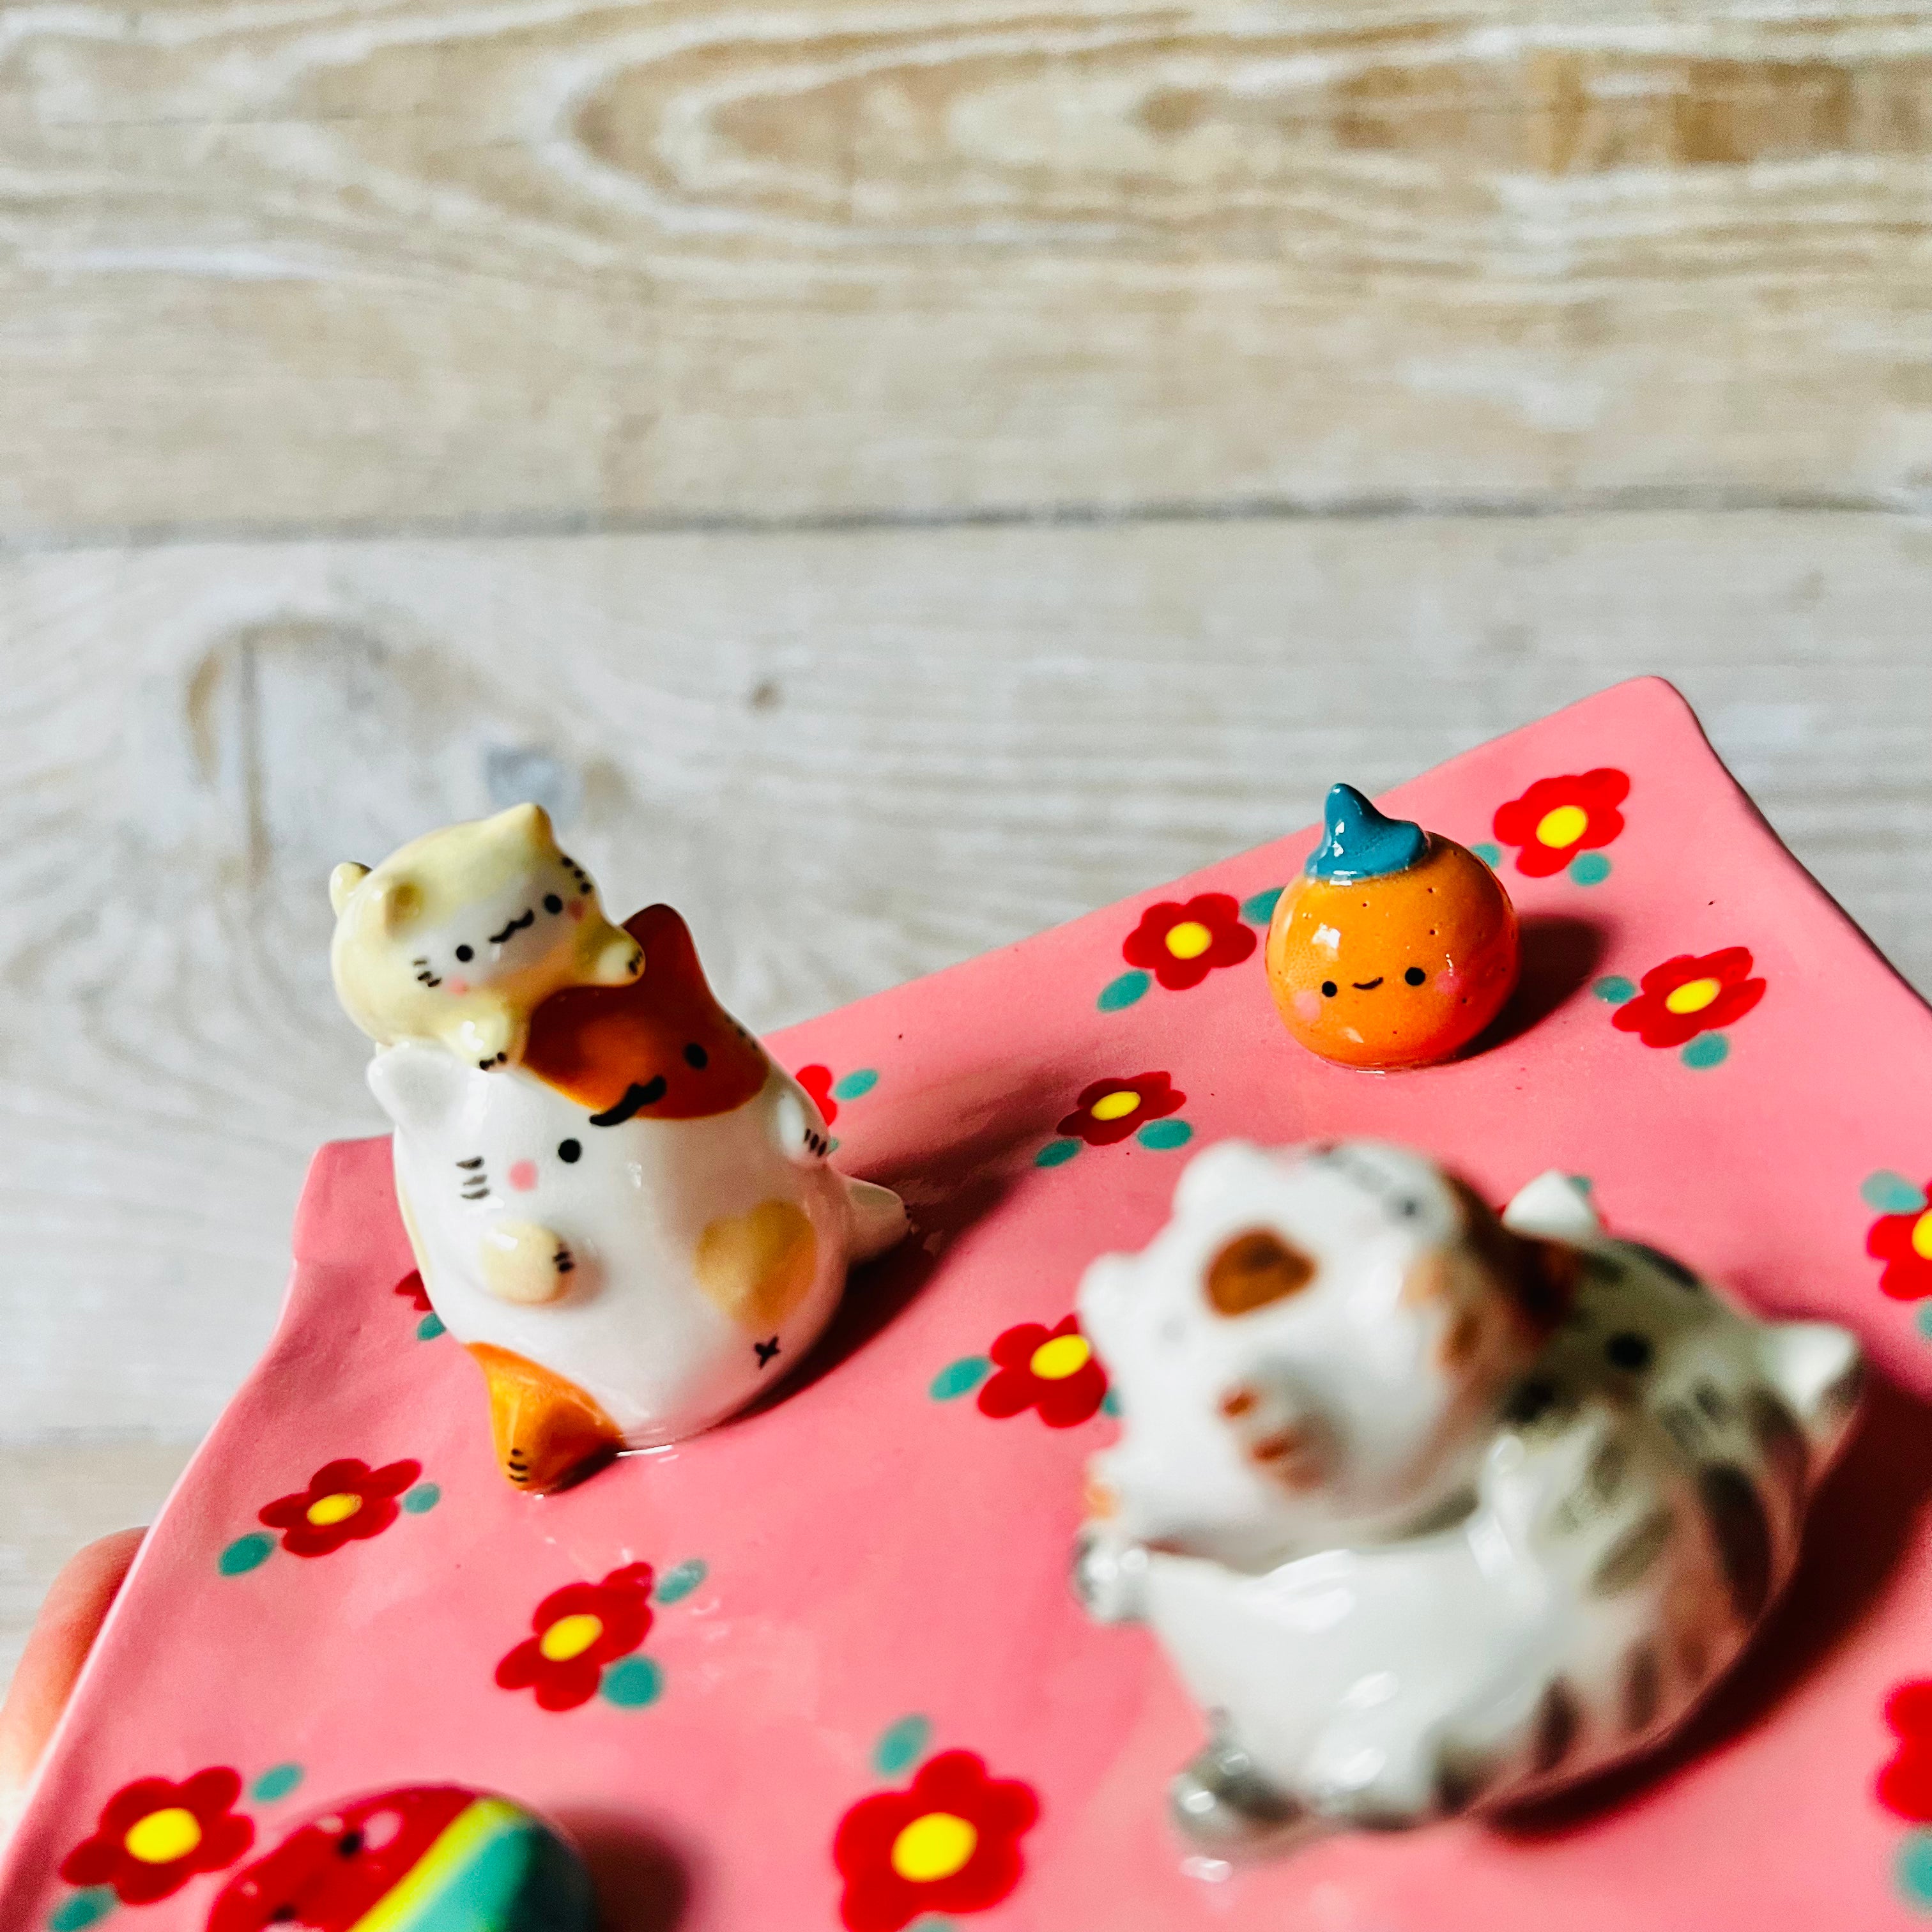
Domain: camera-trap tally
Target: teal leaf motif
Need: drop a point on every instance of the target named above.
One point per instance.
(421, 1499)
(960, 1378)
(1123, 991)
(83, 1908)
(1614, 989)
(1708, 1049)
(902, 1745)
(1892, 1193)
(1161, 1135)
(1589, 868)
(631, 1683)
(856, 1085)
(429, 1327)
(1492, 856)
(246, 1553)
(278, 1781)
(675, 1584)
(1915, 1868)
(1259, 910)
(1056, 1153)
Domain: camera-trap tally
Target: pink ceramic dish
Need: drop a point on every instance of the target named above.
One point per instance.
(852, 1584)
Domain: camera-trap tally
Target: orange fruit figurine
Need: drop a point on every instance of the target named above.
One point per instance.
(1396, 946)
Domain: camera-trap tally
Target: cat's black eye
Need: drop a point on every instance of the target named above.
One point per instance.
(552, 903)
(1415, 975)
(465, 952)
(569, 1150)
(348, 1844)
(1328, 989)
(696, 1056)
(1629, 1351)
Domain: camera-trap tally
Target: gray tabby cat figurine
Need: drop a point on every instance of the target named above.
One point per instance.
(1433, 1512)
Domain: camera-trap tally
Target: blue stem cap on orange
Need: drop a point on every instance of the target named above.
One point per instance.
(1359, 842)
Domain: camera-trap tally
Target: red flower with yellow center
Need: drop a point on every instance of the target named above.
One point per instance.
(1691, 994)
(1903, 1242)
(1053, 1370)
(1558, 817)
(949, 1844)
(412, 1285)
(1180, 944)
(345, 1501)
(578, 1630)
(154, 1835)
(817, 1081)
(1110, 1110)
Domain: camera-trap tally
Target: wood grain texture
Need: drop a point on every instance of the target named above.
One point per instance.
(850, 758)
(326, 264)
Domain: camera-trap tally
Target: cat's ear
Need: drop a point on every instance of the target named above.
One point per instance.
(1556, 1205)
(397, 901)
(342, 882)
(418, 1086)
(527, 827)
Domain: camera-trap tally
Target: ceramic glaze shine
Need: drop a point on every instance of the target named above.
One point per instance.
(642, 1240)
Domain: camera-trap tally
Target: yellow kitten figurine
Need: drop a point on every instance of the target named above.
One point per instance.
(460, 935)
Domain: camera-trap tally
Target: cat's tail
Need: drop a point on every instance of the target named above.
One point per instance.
(879, 1219)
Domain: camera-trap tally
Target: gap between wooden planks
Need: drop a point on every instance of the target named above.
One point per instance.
(849, 757)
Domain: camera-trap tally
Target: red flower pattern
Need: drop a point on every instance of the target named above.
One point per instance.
(817, 1081)
(578, 1630)
(1053, 1370)
(1905, 1784)
(1558, 817)
(1180, 943)
(1691, 995)
(154, 1835)
(345, 1501)
(412, 1285)
(1903, 1242)
(1110, 1110)
(949, 1844)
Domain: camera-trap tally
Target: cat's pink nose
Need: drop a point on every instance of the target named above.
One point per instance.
(522, 1176)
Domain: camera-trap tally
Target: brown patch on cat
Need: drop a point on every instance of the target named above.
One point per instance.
(1462, 1341)
(1537, 1278)
(1629, 1559)
(1742, 1534)
(1779, 1439)
(662, 1048)
(1558, 1720)
(758, 1267)
(1254, 1270)
(1643, 1690)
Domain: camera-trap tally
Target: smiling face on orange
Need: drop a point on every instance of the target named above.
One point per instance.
(1398, 971)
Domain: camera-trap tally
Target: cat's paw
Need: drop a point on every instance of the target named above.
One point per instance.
(526, 1264)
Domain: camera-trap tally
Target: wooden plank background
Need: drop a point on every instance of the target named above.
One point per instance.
(890, 475)
(373, 262)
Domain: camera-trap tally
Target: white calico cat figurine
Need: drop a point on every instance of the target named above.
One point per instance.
(1432, 1512)
(458, 936)
(634, 1232)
